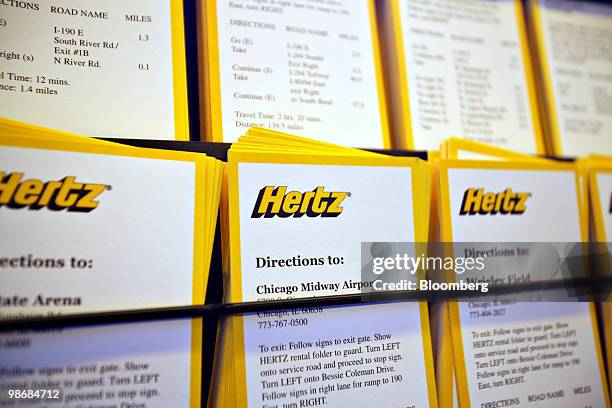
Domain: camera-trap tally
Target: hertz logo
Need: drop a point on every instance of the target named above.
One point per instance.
(476, 201)
(55, 195)
(276, 201)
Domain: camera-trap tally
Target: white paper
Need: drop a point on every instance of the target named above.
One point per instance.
(357, 356)
(302, 67)
(123, 365)
(577, 37)
(135, 250)
(559, 364)
(604, 184)
(96, 68)
(379, 209)
(466, 73)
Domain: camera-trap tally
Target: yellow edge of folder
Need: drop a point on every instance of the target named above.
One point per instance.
(208, 178)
